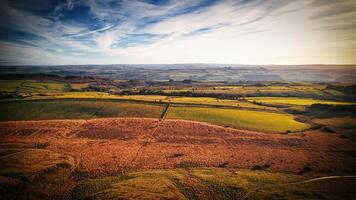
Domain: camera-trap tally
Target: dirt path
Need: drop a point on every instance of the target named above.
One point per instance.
(321, 178)
(300, 182)
(149, 137)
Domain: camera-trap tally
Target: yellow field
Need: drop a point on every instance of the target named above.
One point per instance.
(295, 101)
(215, 101)
(242, 119)
(78, 86)
(158, 98)
(80, 95)
(152, 98)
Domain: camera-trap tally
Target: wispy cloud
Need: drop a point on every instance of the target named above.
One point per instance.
(175, 31)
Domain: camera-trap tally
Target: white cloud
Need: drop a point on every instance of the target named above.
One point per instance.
(259, 32)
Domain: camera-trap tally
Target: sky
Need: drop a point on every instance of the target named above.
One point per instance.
(70, 32)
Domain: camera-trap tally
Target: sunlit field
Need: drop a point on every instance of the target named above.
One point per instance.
(244, 119)
(75, 109)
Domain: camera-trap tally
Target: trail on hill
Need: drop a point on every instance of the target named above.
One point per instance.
(299, 182)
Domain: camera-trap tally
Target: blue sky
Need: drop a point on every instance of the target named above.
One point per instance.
(177, 31)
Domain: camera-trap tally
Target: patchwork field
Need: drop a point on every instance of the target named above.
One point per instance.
(87, 108)
(92, 138)
(241, 119)
(157, 98)
(306, 90)
(217, 102)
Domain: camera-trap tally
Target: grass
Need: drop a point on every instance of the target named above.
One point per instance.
(339, 122)
(295, 101)
(79, 86)
(152, 98)
(9, 86)
(75, 109)
(34, 173)
(215, 101)
(155, 184)
(30, 86)
(103, 95)
(243, 119)
(157, 98)
(43, 174)
(30, 163)
(308, 90)
(207, 183)
(78, 95)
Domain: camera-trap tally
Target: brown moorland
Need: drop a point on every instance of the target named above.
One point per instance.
(111, 145)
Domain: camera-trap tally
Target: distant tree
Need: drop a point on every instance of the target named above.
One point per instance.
(187, 81)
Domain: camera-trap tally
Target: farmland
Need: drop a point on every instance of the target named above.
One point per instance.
(295, 101)
(177, 100)
(75, 109)
(90, 138)
(156, 98)
(79, 86)
(91, 108)
(32, 86)
(243, 119)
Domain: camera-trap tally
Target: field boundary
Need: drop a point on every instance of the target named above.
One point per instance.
(300, 182)
(165, 111)
(149, 102)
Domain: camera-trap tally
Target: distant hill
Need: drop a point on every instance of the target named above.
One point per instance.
(198, 72)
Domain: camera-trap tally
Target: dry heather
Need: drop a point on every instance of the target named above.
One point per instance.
(115, 144)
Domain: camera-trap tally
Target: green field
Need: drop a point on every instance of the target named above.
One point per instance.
(157, 98)
(93, 108)
(217, 102)
(294, 101)
(292, 90)
(30, 86)
(243, 119)
(75, 109)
